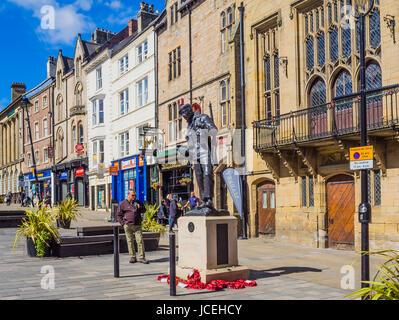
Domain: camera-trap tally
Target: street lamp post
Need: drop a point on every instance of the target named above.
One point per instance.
(25, 104)
(364, 207)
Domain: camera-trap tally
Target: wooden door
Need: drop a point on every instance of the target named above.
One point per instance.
(341, 212)
(267, 209)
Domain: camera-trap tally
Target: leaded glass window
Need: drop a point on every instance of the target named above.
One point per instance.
(342, 87)
(306, 25)
(304, 193)
(373, 76)
(276, 71)
(377, 187)
(321, 48)
(334, 44)
(267, 73)
(310, 53)
(317, 20)
(311, 22)
(318, 93)
(311, 192)
(329, 14)
(335, 11)
(346, 42)
(358, 36)
(369, 187)
(322, 17)
(375, 29)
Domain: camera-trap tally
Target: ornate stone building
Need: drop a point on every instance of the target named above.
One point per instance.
(11, 143)
(302, 58)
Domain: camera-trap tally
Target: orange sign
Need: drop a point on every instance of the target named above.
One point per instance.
(114, 171)
(141, 161)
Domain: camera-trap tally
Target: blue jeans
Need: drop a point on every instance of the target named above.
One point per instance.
(172, 222)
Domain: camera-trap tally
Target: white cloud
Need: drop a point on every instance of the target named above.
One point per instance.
(68, 21)
(115, 4)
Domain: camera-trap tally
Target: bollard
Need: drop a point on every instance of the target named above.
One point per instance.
(172, 263)
(116, 251)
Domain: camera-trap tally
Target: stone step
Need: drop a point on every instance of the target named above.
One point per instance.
(11, 213)
(11, 221)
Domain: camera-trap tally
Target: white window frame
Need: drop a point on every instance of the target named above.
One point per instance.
(36, 106)
(37, 159)
(29, 160)
(96, 112)
(45, 127)
(99, 78)
(45, 155)
(37, 131)
(124, 149)
(124, 102)
(98, 154)
(140, 139)
(142, 51)
(45, 102)
(142, 97)
(124, 64)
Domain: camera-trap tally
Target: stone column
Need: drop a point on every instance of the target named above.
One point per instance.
(1, 145)
(8, 144)
(4, 147)
(13, 139)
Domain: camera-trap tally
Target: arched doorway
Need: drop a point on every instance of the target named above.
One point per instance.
(266, 206)
(341, 212)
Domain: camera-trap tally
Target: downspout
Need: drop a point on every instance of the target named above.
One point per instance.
(156, 77)
(243, 126)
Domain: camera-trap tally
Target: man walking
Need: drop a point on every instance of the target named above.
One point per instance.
(129, 216)
(172, 212)
(193, 201)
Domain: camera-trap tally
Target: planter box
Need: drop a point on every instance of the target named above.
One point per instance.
(64, 224)
(31, 249)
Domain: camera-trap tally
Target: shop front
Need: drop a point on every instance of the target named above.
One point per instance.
(37, 187)
(132, 174)
(70, 179)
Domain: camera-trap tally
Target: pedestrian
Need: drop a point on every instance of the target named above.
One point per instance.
(129, 216)
(47, 199)
(193, 201)
(22, 196)
(8, 198)
(172, 212)
(162, 212)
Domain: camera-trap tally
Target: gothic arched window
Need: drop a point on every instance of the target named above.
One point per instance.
(334, 44)
(343, 84)
(310, 53)
(373, 76)
(317, 93)
(375, 29)
(321, 48)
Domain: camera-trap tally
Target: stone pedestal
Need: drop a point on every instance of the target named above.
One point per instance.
(209, 244)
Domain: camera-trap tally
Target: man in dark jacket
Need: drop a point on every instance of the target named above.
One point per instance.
(172, 212)
(129, 216)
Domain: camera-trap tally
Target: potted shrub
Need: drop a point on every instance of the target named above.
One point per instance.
(66, 212)
(385, 285)
(40, 231)
(152, 230)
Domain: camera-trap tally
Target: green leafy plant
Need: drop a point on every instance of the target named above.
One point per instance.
(39, 225)
(156, 185)
(385, 285)
(185, 181)
(149, 223)
(66, 210)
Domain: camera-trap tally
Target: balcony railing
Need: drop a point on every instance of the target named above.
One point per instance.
(338, 118)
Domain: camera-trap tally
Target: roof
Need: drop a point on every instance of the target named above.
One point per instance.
(89, 47)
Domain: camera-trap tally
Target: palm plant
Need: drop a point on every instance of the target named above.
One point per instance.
(67, 211)
(149, 223)
(38, 225)
(385, 285)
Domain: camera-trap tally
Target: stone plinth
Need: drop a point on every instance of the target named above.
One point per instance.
(209, 244)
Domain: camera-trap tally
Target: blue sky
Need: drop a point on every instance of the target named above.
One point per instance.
(26, 45)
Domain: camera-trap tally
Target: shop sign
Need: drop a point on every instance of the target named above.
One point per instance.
(174, 165)
(141, 161)
(113, 171)
(128, 164)
(64, 175)
(131, 184)
(79, 172)
(79, 148)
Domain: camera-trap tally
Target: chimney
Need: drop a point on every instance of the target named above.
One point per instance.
(51, 67)
(17, 89)
(132, 26)
(101, 36)
(145, 16)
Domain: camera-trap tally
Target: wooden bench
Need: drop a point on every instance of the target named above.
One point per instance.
(11, 218)
(72, 246)
(97, 230)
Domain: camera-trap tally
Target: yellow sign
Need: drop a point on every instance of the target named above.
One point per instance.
(361, 153)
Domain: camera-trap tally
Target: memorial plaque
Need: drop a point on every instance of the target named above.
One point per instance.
(191, 227)
(222, 238)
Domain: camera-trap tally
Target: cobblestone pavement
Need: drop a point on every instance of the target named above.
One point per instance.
(281, 270)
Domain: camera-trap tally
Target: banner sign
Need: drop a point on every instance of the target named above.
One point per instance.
(233, 181)
(128, 164)
(64, 175)
(80, 172)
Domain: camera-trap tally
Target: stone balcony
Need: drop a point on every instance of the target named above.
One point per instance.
(77, 110)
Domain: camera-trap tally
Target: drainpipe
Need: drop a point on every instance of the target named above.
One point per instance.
(243, 126)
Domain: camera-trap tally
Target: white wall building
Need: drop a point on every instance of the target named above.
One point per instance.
(121, 101)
